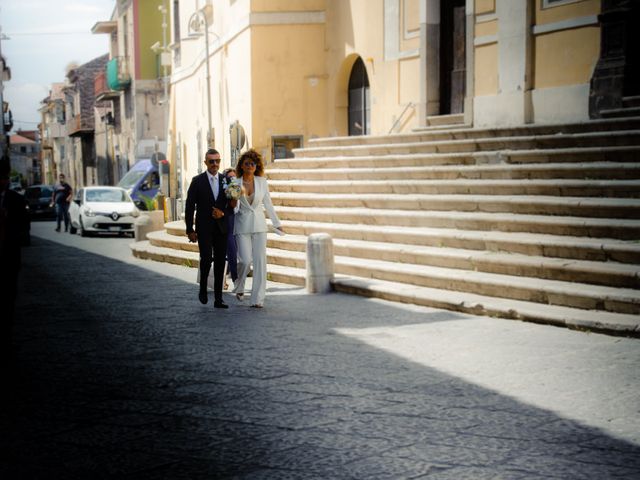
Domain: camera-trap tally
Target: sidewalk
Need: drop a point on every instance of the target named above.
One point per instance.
(122, 373)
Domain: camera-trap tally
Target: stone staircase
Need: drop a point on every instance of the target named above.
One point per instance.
(538, 223)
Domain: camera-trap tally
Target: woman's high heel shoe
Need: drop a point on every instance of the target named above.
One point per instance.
(257, 305)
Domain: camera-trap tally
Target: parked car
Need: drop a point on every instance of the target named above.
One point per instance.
(103, 209)
(39, 201)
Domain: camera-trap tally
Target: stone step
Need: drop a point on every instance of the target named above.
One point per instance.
(591, 320)
(631, 101)
(617, 154)
(624, 208)
(581, 271)
(546, 292)
(445, 120)
(624, 229)
(548, 246)
(458, 132)
(176, 256)
(621, 112)
(546, 171)
(409, 185)
(577, 140)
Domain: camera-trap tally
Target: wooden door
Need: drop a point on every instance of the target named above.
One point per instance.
(452, 56)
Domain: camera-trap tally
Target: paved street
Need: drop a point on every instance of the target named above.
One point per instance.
(121, 373)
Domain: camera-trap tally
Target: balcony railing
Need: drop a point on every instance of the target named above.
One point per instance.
(101, 88)
(118, 75)
(76, 127)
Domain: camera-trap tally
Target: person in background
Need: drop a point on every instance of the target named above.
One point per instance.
(61, 198)
(232, 248)
(250, 227)
(14, 223)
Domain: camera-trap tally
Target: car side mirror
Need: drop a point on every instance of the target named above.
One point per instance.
(78, 201)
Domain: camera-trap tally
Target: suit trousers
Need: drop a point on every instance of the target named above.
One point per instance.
(212, 248)
(252, 248)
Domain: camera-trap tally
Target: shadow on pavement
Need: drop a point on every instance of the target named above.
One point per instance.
(121, 373)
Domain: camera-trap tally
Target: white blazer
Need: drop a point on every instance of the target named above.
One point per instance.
(249, 217)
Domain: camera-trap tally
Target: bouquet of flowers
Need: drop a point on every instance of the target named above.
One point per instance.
(232, 188)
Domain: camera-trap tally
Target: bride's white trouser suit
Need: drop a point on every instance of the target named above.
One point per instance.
(250, 229)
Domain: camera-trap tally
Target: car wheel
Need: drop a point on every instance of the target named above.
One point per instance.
(73, 230)
(83, 232)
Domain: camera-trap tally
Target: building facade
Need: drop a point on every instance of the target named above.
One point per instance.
(131, 89)
(291, 70)
(53, 134)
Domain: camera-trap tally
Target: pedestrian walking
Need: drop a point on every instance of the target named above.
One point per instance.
(250, 226)
(206, 198)
(61, 198)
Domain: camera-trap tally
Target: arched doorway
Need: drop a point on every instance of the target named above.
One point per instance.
(359, 103)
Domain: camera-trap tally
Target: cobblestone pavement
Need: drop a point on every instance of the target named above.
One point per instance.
(121, 373)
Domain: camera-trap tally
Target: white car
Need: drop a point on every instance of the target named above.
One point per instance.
(103, 209)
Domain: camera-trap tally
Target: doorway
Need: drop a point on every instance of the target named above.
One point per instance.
(359, 102)
(452, 56)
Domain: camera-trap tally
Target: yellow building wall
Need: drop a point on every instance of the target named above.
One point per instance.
(287, 5)
(567, 11)
(485, 6)
(566, 57)
(289, 83)
(486, 28)
(486, 70)
(149, 25)
(355, 29)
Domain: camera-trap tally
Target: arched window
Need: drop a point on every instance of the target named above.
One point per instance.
(359, 103)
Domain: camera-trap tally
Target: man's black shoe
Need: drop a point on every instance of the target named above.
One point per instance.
(220, 304)
(203, 297)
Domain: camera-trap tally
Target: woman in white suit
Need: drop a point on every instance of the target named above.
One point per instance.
(250, 226)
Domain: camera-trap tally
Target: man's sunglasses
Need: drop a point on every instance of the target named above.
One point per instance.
(211, 161)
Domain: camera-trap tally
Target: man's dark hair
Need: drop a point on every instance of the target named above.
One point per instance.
(211, 151)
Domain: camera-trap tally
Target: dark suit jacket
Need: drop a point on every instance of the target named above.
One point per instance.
(14, 228)
(200, 199)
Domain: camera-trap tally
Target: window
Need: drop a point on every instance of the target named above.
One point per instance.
(282, 146)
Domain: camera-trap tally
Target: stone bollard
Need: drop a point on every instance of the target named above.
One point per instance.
(148, 222)
(319, 263)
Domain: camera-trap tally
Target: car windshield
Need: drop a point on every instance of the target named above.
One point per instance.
(106, 195)
(131, 178)
(38, 192)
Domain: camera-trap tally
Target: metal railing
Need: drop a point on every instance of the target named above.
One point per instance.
(406, 109)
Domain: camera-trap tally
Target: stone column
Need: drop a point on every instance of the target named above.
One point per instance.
(319, 263)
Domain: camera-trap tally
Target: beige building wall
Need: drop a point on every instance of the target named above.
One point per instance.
(282, 67)
(534, 60)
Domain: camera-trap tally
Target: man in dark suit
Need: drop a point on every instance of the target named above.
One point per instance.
(207, 198)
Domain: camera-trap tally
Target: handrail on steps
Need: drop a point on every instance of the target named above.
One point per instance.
(395, 124)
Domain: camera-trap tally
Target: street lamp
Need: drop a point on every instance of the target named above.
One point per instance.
(199, 27)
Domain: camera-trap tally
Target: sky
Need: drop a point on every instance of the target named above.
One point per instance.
(45, 36)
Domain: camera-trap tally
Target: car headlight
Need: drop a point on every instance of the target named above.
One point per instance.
(135, 213)
(89, 213)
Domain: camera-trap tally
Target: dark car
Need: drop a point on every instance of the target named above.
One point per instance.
(39, 201)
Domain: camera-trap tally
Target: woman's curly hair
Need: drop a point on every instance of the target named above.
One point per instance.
(255, 157)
